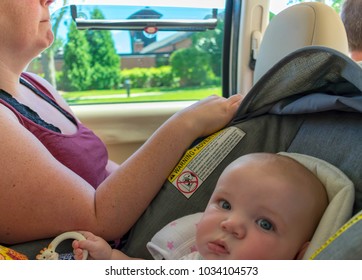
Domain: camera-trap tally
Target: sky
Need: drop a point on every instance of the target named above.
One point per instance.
(122, 38)
(170, 3)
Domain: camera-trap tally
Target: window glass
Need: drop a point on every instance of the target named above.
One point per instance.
(93, 66)
(278, 5)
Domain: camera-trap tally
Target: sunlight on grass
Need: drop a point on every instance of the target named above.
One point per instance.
(138, 95)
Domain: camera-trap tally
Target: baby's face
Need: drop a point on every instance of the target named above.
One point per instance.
(254, 213)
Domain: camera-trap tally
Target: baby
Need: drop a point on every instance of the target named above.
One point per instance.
(264, 206)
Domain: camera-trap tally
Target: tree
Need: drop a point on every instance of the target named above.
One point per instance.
(211, 42)
(47, 57)
(77, 71)
(206, 53)
(191, 66)
(105, 61)
(336, 4)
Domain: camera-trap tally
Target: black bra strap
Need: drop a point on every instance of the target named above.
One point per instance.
(26, 111)
(49, 100)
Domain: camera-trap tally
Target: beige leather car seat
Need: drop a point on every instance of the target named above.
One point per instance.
(304, 24)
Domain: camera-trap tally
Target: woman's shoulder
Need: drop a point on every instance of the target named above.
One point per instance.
(38, 81)
(48, 88)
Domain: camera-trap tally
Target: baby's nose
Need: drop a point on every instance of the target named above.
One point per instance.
(236, 227)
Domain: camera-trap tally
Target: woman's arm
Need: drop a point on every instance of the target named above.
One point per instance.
(42, 198)
(111, 166)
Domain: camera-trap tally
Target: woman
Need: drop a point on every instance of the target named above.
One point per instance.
(55, 174)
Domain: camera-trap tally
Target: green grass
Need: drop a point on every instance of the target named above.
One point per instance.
(138, 95)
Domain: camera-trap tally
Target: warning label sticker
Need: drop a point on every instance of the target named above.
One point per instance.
(200, 161)
(187, 182)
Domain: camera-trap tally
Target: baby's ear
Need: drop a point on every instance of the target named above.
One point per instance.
(302, 251)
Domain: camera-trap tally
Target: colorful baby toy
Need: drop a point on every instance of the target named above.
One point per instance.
(10, 254)
(49, 253)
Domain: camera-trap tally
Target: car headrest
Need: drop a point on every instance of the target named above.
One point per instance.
(300, 25)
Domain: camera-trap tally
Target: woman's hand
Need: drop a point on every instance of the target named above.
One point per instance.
(209, 115)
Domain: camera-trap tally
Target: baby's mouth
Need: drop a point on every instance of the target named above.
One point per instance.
(218, 247)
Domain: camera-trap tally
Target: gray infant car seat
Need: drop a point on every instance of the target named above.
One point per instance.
(310, 102)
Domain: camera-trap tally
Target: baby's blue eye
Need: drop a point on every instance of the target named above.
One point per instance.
(265, 224)
(224, 204)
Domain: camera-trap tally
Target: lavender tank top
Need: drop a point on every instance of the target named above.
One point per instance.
(82, 152)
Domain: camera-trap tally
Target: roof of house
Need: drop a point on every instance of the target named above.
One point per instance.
(173, 39)
(146, 12)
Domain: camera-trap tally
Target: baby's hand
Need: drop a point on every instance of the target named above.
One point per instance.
(97, 247)
(77, 251)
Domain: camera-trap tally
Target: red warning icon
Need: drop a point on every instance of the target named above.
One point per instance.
(187, 182)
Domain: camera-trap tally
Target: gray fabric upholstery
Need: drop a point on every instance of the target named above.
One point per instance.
(335, 138)
(345, 244)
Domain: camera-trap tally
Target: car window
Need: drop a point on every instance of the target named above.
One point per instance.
(98, 57)
(277, 6)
